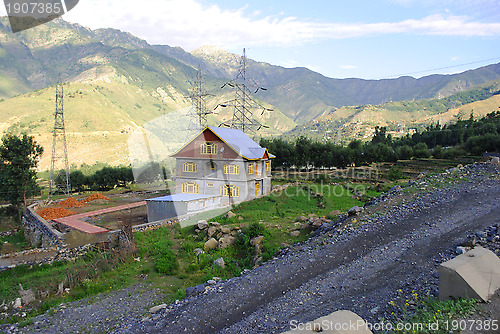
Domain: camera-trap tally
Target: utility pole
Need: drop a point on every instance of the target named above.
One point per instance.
(59, 167)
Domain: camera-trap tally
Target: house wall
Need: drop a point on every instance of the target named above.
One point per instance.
(209, 180)
(162, 210)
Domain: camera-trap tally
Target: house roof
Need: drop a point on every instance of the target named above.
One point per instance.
(239, 142)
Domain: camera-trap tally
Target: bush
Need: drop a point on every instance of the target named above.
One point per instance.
(395, 173)
(420, 150)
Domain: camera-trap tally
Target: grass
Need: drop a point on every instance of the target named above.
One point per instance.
(427, 314)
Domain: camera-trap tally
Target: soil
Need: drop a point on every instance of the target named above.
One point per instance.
(398, 244)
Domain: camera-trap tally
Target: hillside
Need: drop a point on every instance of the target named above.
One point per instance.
(116, 82)
(358, 122)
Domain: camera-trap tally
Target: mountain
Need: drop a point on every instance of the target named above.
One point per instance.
(358, 122)
(116, 82)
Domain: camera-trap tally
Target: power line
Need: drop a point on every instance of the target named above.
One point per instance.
(441, 68)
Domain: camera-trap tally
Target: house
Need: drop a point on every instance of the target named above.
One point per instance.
(218, 167)
(225, 162)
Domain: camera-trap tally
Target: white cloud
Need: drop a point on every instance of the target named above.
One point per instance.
(348, 67)
(190, 24)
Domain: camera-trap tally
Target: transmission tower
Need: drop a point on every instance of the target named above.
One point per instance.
(59, 168)
(243, 103)
(199, 96)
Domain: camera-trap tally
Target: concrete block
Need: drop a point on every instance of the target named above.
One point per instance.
(339, 322)
(474, 274)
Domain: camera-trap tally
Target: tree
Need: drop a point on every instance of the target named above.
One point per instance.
(18, 161)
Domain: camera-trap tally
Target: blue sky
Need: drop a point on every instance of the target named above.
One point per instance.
(370, 39)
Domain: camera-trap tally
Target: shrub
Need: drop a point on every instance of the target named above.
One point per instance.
(395, 173)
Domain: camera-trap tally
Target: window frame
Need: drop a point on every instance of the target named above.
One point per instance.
(209, 148)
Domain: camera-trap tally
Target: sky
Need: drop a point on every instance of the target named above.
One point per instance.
(369, 39)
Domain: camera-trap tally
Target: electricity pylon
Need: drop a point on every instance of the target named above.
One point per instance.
(59, 167)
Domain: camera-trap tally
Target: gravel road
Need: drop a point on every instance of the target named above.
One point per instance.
(358, 269)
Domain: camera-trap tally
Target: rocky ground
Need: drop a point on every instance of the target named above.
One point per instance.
(395, 243)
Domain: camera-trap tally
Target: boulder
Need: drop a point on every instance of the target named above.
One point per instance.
(339, 322)
(202, 224)
(156, 308)
(354, 210)
(220, 263)
(226, 241)
(216, 224)
(230, 214)
(211, 282)
(225, 230)
(27, 296)
(474, 274)
(294, 233)
(334, 213)
(256, 240)
(211, 231)
(302, 218)
(195, 290)
(210, 244)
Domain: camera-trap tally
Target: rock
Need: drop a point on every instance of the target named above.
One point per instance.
(195, 290)
(211, 231)
(240, 218)
(334, 213)
(461, 250)
(156, 308)
(198, 251)
(226, 241)
(225, 230)
(27, 296)
(211, 282)
(302, 219)
(256, 240)
(210, 244)
(202, 224)
(17, 303)
(475, 274)
(230, 214)
(216, 224)
(220, 263)
(294, 233)
(354, 210)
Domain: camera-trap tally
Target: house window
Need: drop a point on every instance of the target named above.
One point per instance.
(250, 168)
(258, 170)
(229, 190)
(190, 167)
(257, 188)
(267, 166)
(231, 169)
(210, 185)
(208, 147)
(190, 188)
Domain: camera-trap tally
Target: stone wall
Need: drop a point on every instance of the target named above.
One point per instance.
(39, 232)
